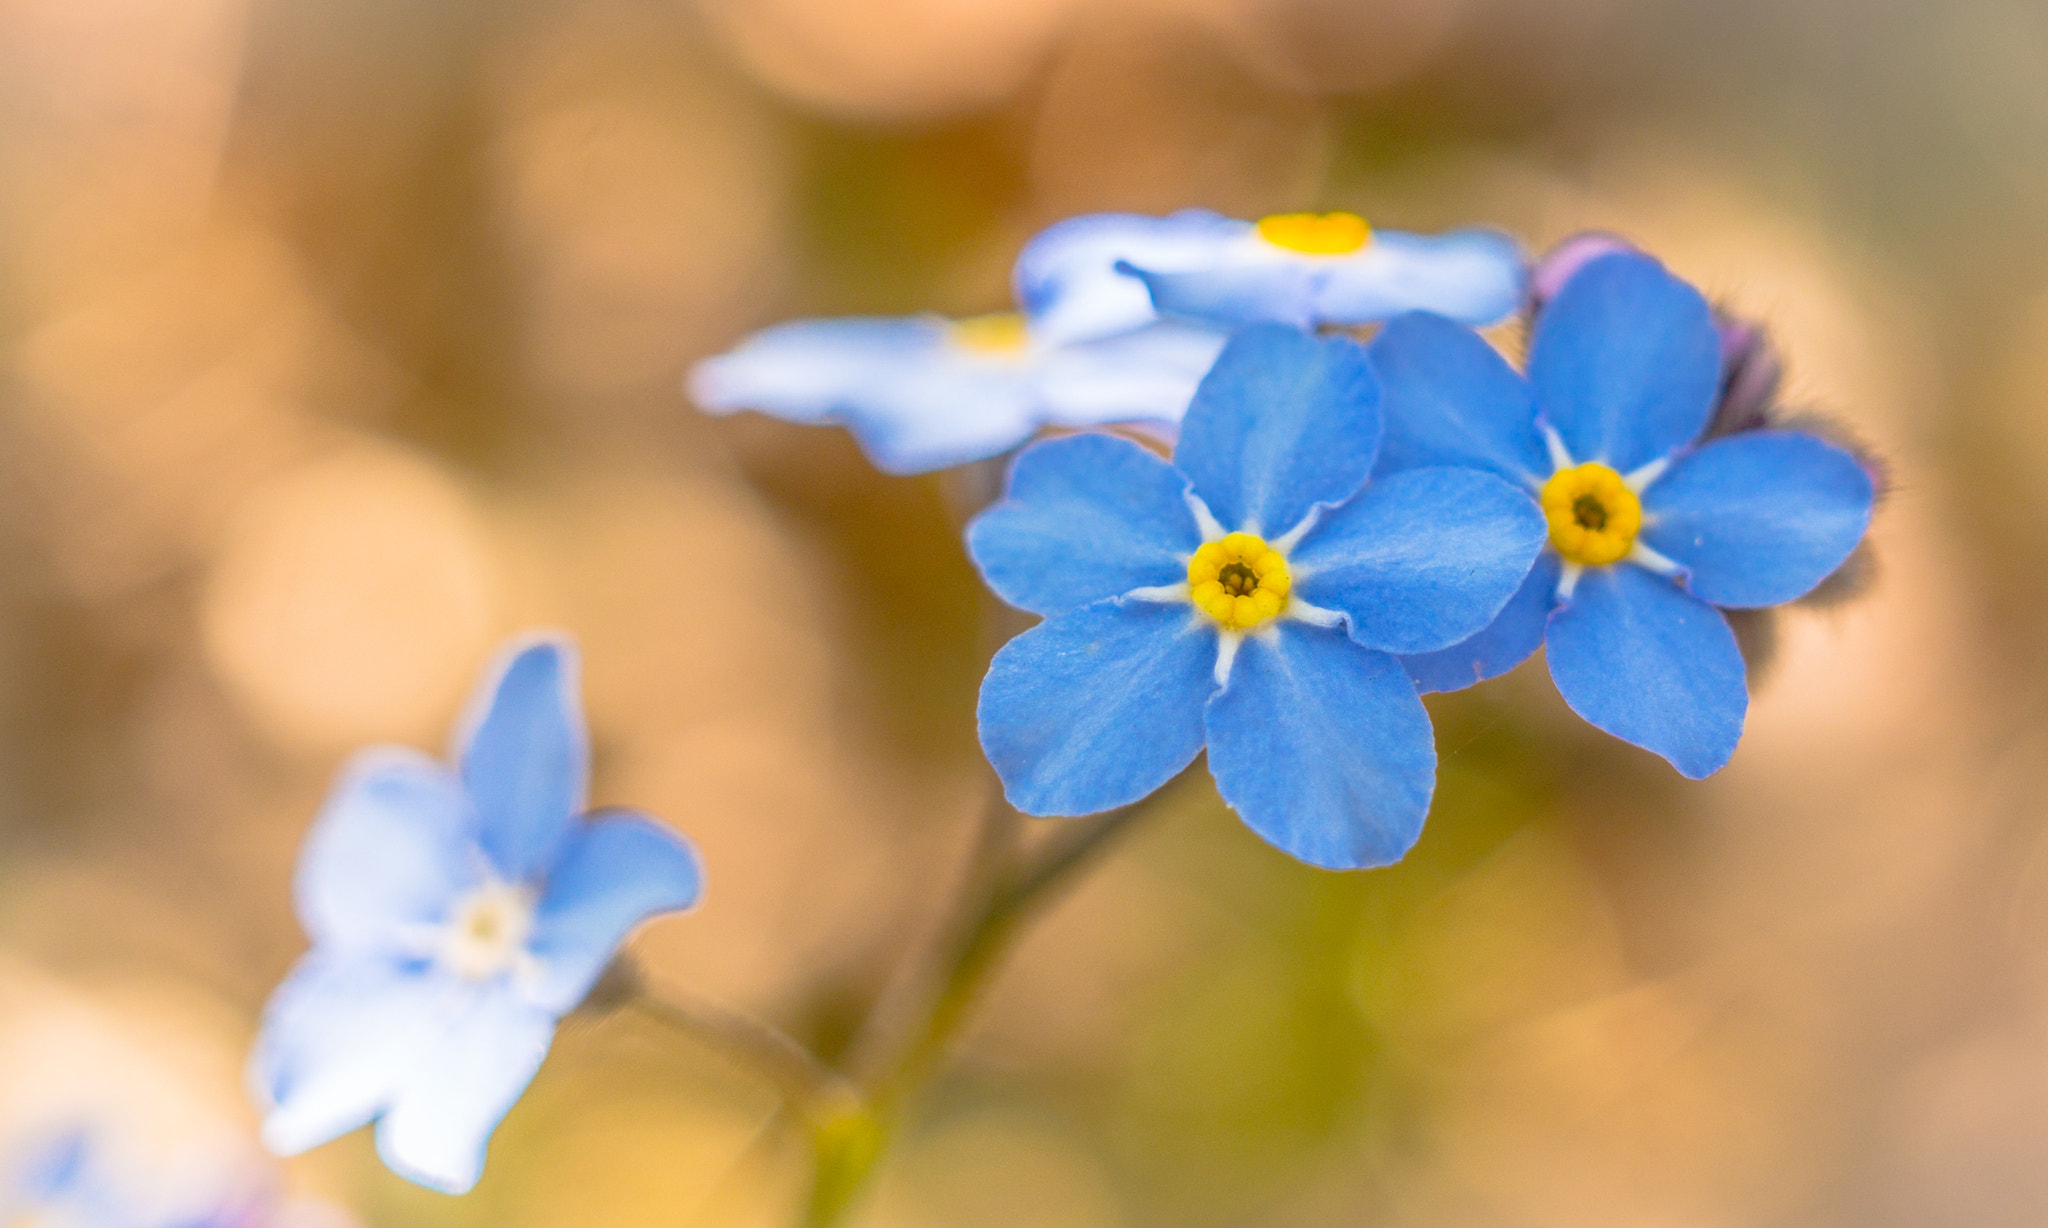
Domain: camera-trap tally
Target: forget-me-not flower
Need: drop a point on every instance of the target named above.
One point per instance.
(921, 393)
(1244, 597)
(1652, 525)
(1104, 273)
(456, 915)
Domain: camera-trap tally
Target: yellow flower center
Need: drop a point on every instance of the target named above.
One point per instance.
(1000, 333)
(487, 931)
(1239, 581)
(1317, 234)
(1594, 516)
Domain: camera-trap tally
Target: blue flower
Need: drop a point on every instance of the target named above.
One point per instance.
(67, 1177)
(1244, 597)
(922, 393)
(1106, 273)
(1653, 524)
(456, 915)
(60, 1173)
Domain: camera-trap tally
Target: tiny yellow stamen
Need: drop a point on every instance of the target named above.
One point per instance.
(1000, 333)
(1239, 581)
(1316, 234)
(1593, 515)
(486, 932)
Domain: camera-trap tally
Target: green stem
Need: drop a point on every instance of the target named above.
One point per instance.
(808, 1086)
(1001, 898)
(978, 951)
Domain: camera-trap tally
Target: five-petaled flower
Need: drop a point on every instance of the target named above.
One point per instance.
(922, 393)
(1652, 526)
(1246, 597)
(1104, 273)
(456, 915)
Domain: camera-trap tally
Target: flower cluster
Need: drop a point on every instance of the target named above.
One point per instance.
(1221, 601)
(1317, 532)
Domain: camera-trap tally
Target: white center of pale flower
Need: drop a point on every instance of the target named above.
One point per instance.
(486, 933)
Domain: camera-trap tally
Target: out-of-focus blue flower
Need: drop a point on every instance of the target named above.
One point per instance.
(55, 1178)
(1106, 273)
(1652, 524)
(1245, 597)
(456, 914)
(63, 1181)
(66, 1180)
(923, 393)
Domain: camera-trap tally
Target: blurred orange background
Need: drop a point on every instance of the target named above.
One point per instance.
(341, 338)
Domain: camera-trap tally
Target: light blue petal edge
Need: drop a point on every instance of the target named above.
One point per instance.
(1097, 707)
(1323, 748)
(525, 755)
(1421, 559)
(1625, 362)
(1283, 424)
(1651, 665)
(1085, 518)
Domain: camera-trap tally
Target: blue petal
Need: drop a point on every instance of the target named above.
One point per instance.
(914, 400)
(1758, 519)
(526, 763)
(57, 1167)
(467, 1073)
(1283, 421)
(958, 408)
(338, 1037)
(808, 370)
(1562, 263)
(1235, 294)
(618, 871)
(1476, 276)
(1421, 559)
(1449, 398)
(1625, 362)
(1067, 280)
(1086, 517)
(1323, 747)
(1510, 639)
(394, 845)
(1650, 665)
(1097, 707)
(1148, 375)
(1471, 275)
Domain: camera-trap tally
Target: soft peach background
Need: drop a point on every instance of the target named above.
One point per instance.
(339, 338)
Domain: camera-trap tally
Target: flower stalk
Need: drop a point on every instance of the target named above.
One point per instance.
(809, 1087)
(1004, 893)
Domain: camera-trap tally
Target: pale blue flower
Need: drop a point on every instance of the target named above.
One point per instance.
(456, 915)
(1106, 273)
(66, 1179)
(921, 393)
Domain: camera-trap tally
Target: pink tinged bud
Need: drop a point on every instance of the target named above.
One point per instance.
(1750, 374)
(1564, 261)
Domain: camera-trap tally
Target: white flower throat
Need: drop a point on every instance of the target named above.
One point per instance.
(486, 933)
